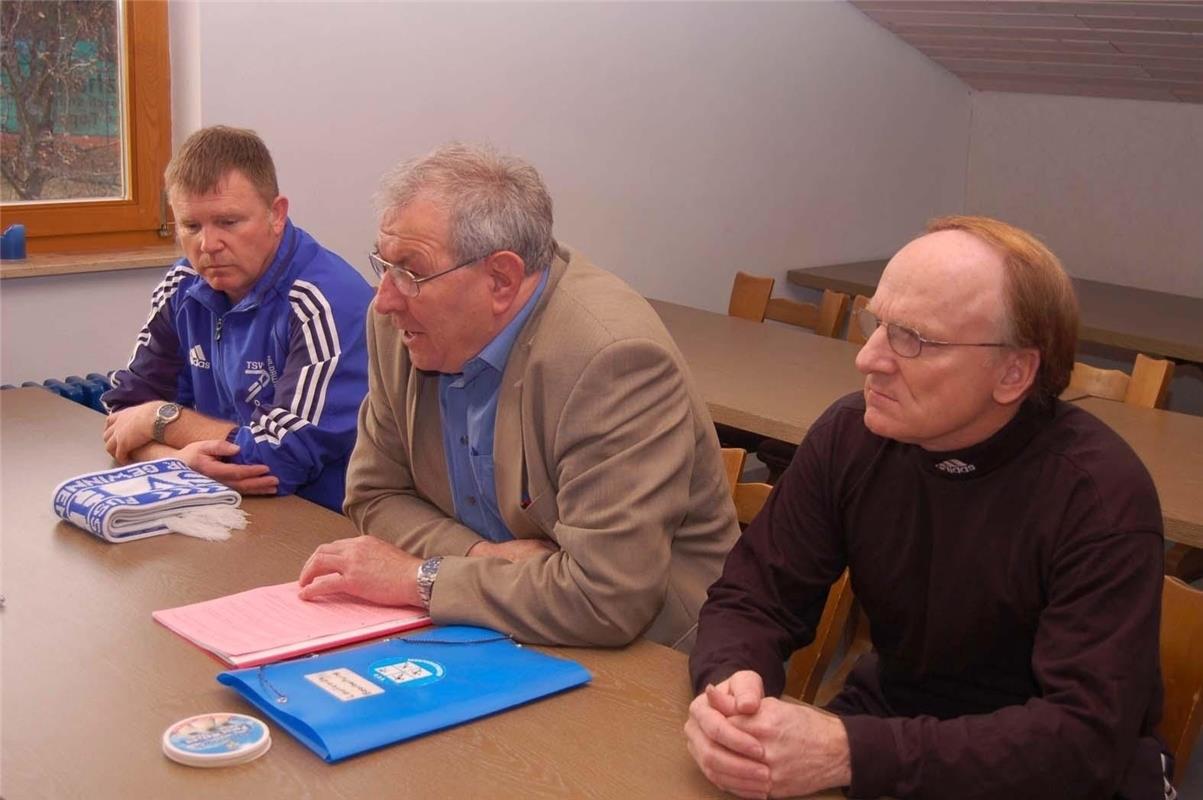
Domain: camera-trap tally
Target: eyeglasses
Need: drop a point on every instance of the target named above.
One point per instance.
(406, 282)
(907, 342)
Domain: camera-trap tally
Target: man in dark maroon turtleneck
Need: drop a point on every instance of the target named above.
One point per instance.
(1005, 546)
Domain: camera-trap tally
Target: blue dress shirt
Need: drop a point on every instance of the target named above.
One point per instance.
(468, 401)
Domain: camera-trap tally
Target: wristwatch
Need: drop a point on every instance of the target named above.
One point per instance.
(164, 416)
(428, 570)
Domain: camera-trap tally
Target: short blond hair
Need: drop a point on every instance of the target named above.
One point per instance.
(1041, 308)
(208, 155)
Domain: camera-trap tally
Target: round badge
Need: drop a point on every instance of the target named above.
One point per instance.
(216, 740)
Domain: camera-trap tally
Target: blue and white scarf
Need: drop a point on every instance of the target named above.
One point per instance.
(147, 499)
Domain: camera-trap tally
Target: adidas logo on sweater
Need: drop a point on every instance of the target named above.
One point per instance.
(196, 357)
(955, 466)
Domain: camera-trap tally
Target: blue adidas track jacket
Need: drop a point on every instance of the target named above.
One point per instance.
(287, 363)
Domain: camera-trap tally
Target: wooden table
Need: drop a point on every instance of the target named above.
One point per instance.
(776, 381)
(90, 681)
(1157, 323)
(767, 378)
(1171, 447)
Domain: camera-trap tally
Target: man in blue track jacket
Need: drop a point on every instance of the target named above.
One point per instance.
(252, 365)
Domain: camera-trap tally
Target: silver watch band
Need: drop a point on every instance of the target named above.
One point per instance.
(428, 570)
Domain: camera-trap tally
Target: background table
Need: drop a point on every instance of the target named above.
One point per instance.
(90, 681)
(1156, 323)
(1171, 447)
(770, 379)
(776, 381)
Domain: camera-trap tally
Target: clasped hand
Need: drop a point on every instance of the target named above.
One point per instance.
(757, 746)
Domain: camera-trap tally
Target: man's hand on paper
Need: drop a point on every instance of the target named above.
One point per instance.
(513, 550)
(128, 429)
(364, 567)
(206, 458)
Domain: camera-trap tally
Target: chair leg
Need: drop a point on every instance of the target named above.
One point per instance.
(1184, 562)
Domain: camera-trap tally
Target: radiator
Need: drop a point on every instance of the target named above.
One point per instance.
(85, 391)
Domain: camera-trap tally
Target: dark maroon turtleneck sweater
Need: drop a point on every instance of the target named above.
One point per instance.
(1013, 591)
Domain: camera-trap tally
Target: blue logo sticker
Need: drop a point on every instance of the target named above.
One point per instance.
(407, 671)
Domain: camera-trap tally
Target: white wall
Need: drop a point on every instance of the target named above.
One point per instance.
(1114, 187)
(680, 141)
(64, 325)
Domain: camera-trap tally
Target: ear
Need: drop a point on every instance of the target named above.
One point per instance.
(1020, 368)
(506, 271)
(279, 214)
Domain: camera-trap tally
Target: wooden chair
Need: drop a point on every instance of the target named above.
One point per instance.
(750, 296)
(1145, 387)
(824, 319)
(808, 664)
(748, 497)
(1181, 669)
(857, 642)
(854, 333)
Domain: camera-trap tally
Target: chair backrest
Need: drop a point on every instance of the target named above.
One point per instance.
(733, 464)
(854, 332)
(748, 497)
(1146, 386)
(1181, 668)
(824, 319)
(808, 664)
(750, 296)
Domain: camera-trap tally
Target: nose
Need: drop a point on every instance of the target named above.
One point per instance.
(875, 354)
(210, 240)
(389, 299)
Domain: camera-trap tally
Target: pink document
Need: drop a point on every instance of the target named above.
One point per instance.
(272, 623)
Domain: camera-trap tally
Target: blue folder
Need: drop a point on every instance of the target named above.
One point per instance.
(350, 701)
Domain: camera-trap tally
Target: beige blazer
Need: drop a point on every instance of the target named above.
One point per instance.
(602, 445)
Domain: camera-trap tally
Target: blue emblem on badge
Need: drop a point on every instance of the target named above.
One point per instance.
(408, 671)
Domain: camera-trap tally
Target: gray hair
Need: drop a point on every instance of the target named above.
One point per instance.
(495, 202)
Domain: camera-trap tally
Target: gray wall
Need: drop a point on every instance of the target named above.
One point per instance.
(681, 141)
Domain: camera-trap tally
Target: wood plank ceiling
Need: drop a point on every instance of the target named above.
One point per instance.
(1140, 49)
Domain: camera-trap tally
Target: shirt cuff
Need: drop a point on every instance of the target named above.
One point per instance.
(874, 756)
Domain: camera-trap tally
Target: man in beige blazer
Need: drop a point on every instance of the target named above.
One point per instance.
(582, 499)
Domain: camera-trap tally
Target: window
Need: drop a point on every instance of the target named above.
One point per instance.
(86, 121)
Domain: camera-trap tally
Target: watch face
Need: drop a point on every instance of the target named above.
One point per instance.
(168, 411)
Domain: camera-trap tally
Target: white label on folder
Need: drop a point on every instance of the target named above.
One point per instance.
(344, 684)
(409, 670)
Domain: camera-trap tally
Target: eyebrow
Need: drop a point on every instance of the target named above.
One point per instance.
(902, 323)
(405, 261)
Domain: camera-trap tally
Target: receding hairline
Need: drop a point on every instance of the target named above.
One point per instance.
(174, 191)
(975, 279)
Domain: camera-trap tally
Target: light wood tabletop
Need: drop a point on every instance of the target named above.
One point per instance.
(1171, 446)
(1156, 323)
(767, 378)
(90, 681)
(776, 381)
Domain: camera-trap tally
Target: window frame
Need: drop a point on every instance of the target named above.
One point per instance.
(98, 225)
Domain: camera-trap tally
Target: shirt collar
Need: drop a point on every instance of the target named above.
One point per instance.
(497, 352)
